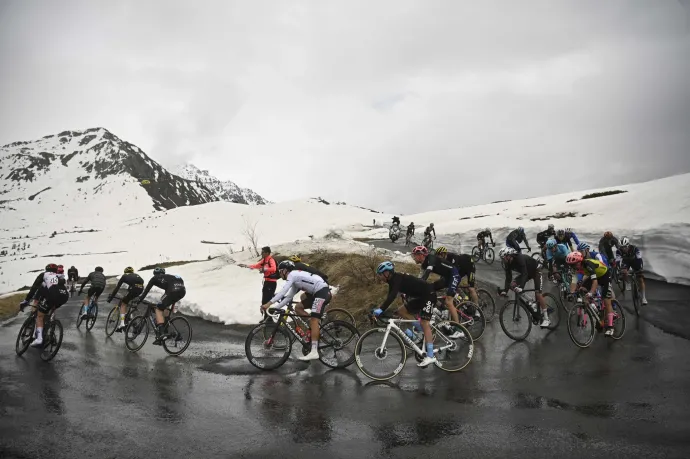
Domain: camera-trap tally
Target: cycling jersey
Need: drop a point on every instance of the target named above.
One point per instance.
(43, 281)
(406, 284)
(562, 251)
(133, 281)
(97, 280)
(526, 266)
(439, 266)
(544, 236)
(606, 246)
(298, 281)
(168, 282)
(429, 230)
(597, 256)
(566, 239)
(484, 234)
(594, 268)
(410, 229)
(517, 236)
(73, 274)
(310, 269)
(630, 256)
(463, 262)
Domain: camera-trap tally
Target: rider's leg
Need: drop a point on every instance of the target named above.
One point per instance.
(425, 314)
(317, 308)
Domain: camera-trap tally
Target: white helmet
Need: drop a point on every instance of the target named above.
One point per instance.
(505, 251)
(625, 241)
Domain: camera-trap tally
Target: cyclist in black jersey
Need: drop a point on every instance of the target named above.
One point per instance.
(606, 245)
(515, 237)
(97, 280)
(544, 236)
(135, 286)
(427, 232)
(449, 278)
(410, 229)
(466, 268)
(527, 269)
(481, 238)
(420, 299)
(174, 288)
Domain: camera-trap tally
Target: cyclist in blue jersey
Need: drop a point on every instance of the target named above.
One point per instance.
(567, 236)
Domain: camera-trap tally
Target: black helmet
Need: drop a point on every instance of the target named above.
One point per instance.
(157, 271)
(72, 267)
(51, 267)
(99, 269)
(286, 264)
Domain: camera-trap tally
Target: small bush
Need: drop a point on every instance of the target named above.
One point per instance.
(602, 193)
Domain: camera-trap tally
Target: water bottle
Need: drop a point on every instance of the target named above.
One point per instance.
(533, 305)
(445, 315)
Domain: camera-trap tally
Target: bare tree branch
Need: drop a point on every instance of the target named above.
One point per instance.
(251, 236)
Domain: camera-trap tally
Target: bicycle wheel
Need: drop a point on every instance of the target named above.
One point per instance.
(476, 254)
(377, 358)
(112, 321)
(339, 314)
(337, 344)
(489, 255)
(263, 353)
(452, 354)
(26, 335)
(553, 306)
(179, 336)
(136, 333)
(516, 320)
(472, 318)
(487, 303)
(618, 320)
(79, 314)
(636, 297)
(52, 340)
(581, 325)
(91, 318)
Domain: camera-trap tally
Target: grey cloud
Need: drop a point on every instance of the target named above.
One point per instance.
(405, 106)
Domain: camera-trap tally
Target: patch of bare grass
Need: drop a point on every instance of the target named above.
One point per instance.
(9, 305)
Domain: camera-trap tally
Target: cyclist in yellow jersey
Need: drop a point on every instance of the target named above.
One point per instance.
(595, 274)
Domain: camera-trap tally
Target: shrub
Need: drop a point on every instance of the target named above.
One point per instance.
(602, 193)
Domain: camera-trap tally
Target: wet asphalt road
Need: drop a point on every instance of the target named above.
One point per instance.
(539, 398)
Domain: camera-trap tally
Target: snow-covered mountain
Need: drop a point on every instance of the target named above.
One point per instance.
(222, 190)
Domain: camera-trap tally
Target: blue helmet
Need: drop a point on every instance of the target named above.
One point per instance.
(583, 246)
(551, 243)
(385, 266)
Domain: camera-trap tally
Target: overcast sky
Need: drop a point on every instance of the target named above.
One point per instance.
(399, 105)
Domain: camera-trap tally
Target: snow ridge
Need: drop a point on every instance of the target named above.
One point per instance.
(222, 190)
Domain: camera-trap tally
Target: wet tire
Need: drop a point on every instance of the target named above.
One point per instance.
(179, 333)
(378, 360)
(26, 335)
(452, 354)
(581, 326)
(618, 320)
(91, 318)
(52, 340)
(554, 307)
(637, 301)
(136, 333)
(475, 254)
(516, 320)
(337, 343)
(475, 325)
(112, 321)
(489, 256)
(339, 314)
(487, 303)
(262, 352)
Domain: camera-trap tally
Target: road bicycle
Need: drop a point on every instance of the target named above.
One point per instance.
(72, 288)
(470, 315)
(302, 326)
(517, 316)
(635, 289)
(269, 344)
(408, 239)
(176, 334)
(617, 278)
(486, 301)
(113, 319)
(485, 253)
(381, 352)
(91, 313)
(428, 242)
(587, 317)
(52, 335)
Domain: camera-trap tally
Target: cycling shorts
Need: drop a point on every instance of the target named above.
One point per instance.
(450, 284)
(470, 276)
(635, 264)
(536, 277)
(55, 296)
(317, 302)
(421, 306)
(132, 293)
(94, 291)
(604, 285)
(170, 298)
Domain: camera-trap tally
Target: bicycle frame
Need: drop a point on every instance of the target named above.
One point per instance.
(280, 319)
(392, 326)
(536, 315)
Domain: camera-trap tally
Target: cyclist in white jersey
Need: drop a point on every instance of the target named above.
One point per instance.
(314, 286)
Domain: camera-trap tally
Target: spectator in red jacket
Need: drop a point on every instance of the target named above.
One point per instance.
(267, 266)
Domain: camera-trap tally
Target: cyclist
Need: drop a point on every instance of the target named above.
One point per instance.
(174, 288)
(427, 234)
(97, 280)
(318, 292)
(410, 230)
(544, 236)
(515, 237)
(566, 236)
(466, 268)
(527, 268)
(419, 299)
(596, 274)
(587, 252)
(72, 276)
(135, 286)
(481, 238)
(629, 256)
(450, 279)
(606, 245)
(50, 287)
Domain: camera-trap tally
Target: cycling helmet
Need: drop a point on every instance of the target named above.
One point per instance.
(583, 246)
(487, 230)
(60, 269)
(573, 258)
(441, 250)
(608, 234)
(286, 264)
(158, 271)
(560, 233)
(72, 267)
(129, 270)
(295, 258)
(551, 226)
(521, 229)
(385, 266)
(431, 224)
(420, 250)
(51, 267)
(506, 251)
(625, 241)
(551, 243)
